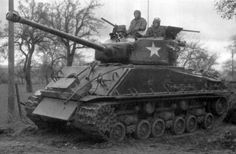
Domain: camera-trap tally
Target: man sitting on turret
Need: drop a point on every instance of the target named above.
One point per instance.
(156, 30)
(138, 24)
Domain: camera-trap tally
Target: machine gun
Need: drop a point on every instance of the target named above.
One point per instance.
(171, 32)
(118, 32)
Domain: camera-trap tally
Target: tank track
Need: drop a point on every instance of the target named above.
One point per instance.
(99, 118)
(96, 119)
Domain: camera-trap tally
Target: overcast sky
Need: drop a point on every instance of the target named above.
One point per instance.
(189, 14)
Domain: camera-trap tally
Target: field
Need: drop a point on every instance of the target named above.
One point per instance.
(73, 141)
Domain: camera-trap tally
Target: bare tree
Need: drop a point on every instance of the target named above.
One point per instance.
(229, 65)
(194, 56)
(228, 70)
(72, 17)
(26, 37)
(68, 16)
(227, 8)
(52, 54)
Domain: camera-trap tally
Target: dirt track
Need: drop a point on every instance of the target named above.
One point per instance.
(76, 142)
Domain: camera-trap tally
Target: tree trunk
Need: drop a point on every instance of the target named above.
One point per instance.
(27, 73)
(28, 81)
(70, 59)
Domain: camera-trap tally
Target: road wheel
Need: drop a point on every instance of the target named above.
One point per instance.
(143, 129)
(220, 107)
(191, 123)
(208, 121)
(118, 132)
(158, 127)
(178, 126)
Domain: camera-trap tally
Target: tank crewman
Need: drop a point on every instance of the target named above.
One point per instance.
(156, 30)
(138, 24)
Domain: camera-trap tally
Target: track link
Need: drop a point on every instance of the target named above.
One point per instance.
(95, 119)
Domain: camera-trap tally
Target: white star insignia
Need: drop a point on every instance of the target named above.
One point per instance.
(154, 50)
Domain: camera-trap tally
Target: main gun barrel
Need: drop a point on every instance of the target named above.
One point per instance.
(15, 17)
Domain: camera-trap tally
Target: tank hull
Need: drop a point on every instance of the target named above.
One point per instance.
(125, 99)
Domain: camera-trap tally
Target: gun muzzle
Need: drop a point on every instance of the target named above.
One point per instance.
(13, 16)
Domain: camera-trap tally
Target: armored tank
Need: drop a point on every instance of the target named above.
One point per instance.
(133, 87)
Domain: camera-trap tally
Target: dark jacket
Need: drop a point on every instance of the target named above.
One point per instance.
(137, 25)
(156, 32)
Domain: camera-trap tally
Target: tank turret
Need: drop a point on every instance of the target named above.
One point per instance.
(147, 51)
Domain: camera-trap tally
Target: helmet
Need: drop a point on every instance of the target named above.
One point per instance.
(137, 14)
(137, 11)
(157, 20)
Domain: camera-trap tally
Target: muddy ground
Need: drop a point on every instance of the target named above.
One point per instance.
(73, 141)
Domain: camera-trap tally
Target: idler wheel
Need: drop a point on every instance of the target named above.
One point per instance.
(143, 129)
(191, 123)
(220, 107)
(118, 132)
(178, 126)
(208, 121)
(158, 127)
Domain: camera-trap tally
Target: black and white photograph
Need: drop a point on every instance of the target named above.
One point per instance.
(118, 77)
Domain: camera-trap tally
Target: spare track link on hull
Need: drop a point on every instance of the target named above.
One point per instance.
(95, 119)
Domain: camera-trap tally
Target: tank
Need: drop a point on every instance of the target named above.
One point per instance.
(133, 87)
